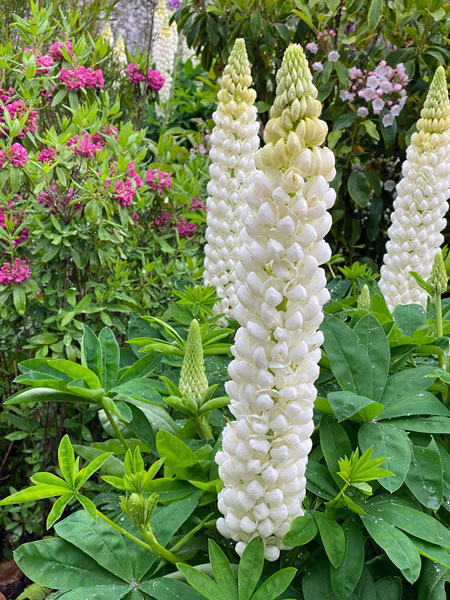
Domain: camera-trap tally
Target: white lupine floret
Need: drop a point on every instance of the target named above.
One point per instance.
(234, 141)
(421, 203)
(281, 291)
(165, 44)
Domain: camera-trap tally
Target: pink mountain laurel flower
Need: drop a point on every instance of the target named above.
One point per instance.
(58, 201)
(5, 95)
(43, 62)
(16, 156)
(198, 204)
(317, 66)
(185, 228)
(81, 77)
(158, 180)
(14, 272)
(161, 220)
(135, 75)
(17, 110)
(46, 155)
(155, 80)
(55, 50)
(124, 191)
(333, 56)
(84, 145)
(312, 47)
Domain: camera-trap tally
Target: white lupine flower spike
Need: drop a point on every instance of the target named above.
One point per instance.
(281, 293)
(234, 141)
(421, 203)
(165, 47)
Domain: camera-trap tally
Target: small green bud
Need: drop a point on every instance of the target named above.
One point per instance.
(193, 382)
(138, 508)
(438, 279)
(364, 298)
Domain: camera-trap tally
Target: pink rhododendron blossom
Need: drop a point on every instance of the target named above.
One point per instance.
(46, 94)
(124, 191)
(14, 272)
(158, 180)
(16, 156)
(43, 62)
(55, 50)
(198, 204)
(46, 155)
(5, 95)
(185, 228)
(135, 75)
(155, 80)
(81, 77)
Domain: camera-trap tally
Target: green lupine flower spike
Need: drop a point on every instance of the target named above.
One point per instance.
(364, 298)
(193, 382)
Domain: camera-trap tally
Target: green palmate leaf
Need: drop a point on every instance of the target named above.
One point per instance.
(58, 509)
(42, 395)
(202, 583)
(333, 538)
(400, 513)
(359, 469)
(88, 506)
(431, 551)
(59, 565)
(347, 404)
(434, 425)
(98, 592)
(303, 530)
(396, 544)
(110, 357)
(422, 403)
(348, 359)
(387, 441)
(37, 492)
(141, 368)
(250, 568)
(372, 338)
(222, 571)
(91, 353)
(345, 579)
(406, 383)
(275, 585)
(425, 477)
(409, 317)
(50, 479)
(422, 283)
(66, 460)
(433, 582)
(98, 540)
(334, 443)
(90, 469)
(164, 588)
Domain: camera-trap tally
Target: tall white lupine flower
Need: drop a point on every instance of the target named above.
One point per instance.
(421, 203)
(281, 294)
(120, 53)
(107, 35)
(165, 46)
(234, 141)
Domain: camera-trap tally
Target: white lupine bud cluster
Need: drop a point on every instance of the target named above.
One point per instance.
(281, 293)
(421, 203)
(165, 46)
(120, 53)
(234, 141)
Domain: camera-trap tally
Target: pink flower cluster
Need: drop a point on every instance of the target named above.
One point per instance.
(5, 95)
(58, 202)
(185, 228)
(81, 77)
(85, 145)
(154, 79)
(159, 180)
(124, 189)
(384, 88)
(16, 221)
(43, 62)
(14, 273)
(161, 220)
(46, 155)
(18, 109)
(198, 204)
(55, 50)
(16, 156)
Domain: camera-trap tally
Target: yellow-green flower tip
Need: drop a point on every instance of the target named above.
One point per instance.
(193, 382)
(364, 298)
(435, 114)
(294, 123)
(438, 279)
(237, 79)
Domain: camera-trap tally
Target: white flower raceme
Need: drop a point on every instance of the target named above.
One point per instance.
(421, 203)
(281, 293)
(234, 141)
(165, 45)
(120, 54)
(107, 35)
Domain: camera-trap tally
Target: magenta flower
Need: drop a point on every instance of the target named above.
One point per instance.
(16, 156)
(135, 75)
(46, 155)
(155, 80)
(81, 77)
(185, 228)
(17, 110)
(158, 180)
(85, 145)
(14, 272)
(55, 50)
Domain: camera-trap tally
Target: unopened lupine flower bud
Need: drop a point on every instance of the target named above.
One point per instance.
(281, 293)
(234, 141)
(164, 48)
(139, 509)
(364, 298)
(107, 35)
(438, 279)
(120, 53)
(193, 382)
(421, 203)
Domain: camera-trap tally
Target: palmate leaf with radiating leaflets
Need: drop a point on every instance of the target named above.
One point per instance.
(222, 571)
(250, 568)
(358, 469)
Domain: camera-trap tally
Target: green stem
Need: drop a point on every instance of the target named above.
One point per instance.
(124, 531)
(116, 429)
(156, 547)
(203, 427)
(440, 329)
